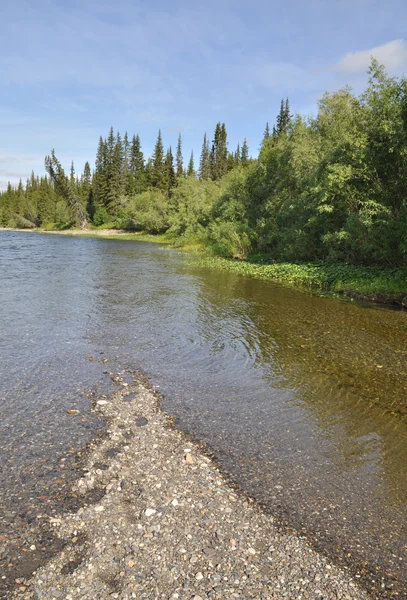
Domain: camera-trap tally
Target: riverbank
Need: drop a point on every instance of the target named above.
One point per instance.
(166, 524)
(379, 285)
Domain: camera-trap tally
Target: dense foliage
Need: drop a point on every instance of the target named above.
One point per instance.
(331, 188)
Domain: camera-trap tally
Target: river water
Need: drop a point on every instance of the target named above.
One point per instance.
(302, 399)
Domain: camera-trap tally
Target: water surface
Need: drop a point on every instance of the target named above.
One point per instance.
(303, 399)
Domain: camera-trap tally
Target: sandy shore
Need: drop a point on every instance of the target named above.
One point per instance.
(92, 232)
(164, 523)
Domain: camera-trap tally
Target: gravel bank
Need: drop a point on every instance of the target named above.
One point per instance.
(165, 524)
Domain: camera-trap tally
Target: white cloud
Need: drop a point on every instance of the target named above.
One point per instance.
(393, 55)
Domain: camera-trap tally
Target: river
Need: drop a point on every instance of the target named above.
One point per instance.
(302, 399)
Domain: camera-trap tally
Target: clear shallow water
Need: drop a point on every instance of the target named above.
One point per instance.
(303, 399)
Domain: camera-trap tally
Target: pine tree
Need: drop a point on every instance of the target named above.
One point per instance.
(266, 133)
(99, 183)
(66, 189)
(237, 155)
(244, 157)
(72, 174)
(219, 153)
(86, 190)
(170, 172)
(204, 163)
(179, 159)
(126, 160)
(283, 118)
(137, 172)
(157, 178)
(191, 167)
(280, 119)
(116, 181)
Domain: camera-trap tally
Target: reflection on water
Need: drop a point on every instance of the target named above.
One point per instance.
(302, 398)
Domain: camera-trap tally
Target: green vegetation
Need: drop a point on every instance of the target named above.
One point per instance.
(380, 284)
(328, 192)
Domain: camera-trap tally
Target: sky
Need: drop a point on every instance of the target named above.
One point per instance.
(69, 70)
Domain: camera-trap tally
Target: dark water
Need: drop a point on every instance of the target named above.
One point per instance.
(303, 399)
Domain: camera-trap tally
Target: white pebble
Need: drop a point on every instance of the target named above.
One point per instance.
(150, 512)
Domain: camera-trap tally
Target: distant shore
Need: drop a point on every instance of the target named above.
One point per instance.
(374, 284)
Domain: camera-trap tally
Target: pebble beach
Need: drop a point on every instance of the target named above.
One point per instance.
(163, 522)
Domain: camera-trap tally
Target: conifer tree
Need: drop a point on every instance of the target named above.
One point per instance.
(204, 163)
(99, 183)
(179, 159)
(219, 153)
(116, 182)
(244, 158)
(66, 189)
(137, 173)
(191, 167)
(158, 164)
(237, 154)
(283, 118)
(266, 134)
(170, 176)
(86, 190)
(72, 174)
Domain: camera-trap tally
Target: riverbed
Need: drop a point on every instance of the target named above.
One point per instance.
(302, 399)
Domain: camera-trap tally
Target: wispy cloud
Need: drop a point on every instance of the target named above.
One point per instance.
(392, 55)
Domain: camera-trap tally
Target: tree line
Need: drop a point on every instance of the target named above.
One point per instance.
(331, 187)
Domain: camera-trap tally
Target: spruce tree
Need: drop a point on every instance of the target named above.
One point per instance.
(137, 173)
(280, 119)
(157, 178)
(237, 155)
(116, 181)
(179, 159)
(244, 157)
(170, 176)
(99, 183)
(204, 163)
(266, 133)
(66, 189)
(86, 190)
(219, 153)
(191, 167)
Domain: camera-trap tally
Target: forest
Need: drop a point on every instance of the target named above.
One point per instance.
(327, 188)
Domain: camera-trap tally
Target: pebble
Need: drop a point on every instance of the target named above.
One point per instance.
(111, 551)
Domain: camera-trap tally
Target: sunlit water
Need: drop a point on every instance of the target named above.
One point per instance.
(303, 399)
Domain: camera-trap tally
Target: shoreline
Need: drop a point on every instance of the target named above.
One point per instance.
(375, 285)
(166, 523)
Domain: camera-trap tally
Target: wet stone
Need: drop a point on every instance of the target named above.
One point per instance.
(159, 528)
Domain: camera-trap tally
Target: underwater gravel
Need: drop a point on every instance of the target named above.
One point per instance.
(166, 524)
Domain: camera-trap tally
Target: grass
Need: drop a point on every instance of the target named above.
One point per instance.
(378, 284)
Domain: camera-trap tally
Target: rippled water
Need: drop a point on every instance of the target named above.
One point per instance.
(303, 399)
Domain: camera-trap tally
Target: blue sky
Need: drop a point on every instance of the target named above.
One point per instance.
(71, 69)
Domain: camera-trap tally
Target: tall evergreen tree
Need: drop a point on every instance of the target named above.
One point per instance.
(157, 177)
(86, 190)
(283, 118)
(191, 166)
(219, 153)
(266, 133)
(179, 159)
(99, 183)
(170, 175)
(116, 182)
(137, 173)
(66, 189)
(244, 157)
(205, 163)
